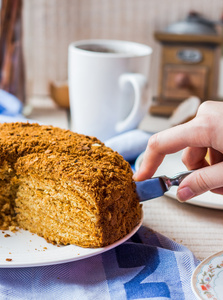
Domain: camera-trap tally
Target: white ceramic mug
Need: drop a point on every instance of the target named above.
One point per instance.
(107, 86)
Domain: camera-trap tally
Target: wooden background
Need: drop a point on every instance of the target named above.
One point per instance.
(51, 25)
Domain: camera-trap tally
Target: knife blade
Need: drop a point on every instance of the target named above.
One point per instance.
(157, 186)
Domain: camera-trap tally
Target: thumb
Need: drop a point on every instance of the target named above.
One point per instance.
(200, 181)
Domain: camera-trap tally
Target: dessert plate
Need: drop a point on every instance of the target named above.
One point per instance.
(24, 249)
(207, 278)
(172, 165)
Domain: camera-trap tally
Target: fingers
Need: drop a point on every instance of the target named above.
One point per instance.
(196, 136)
(194, 158)
(215, 156)
(151, 160)
(192, 134)
(201, 181)
(198, 157)
(218, 191)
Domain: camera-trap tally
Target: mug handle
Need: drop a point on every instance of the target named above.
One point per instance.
(139, 83)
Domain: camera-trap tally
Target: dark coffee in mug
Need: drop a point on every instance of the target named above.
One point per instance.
(97, 48)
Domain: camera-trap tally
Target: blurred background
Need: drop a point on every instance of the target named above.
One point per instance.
(49, 26)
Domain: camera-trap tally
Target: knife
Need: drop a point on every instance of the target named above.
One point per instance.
(157, 186)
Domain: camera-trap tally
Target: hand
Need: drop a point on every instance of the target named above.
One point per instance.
(201, 134)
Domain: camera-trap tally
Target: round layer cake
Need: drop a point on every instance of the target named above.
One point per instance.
(66, 187)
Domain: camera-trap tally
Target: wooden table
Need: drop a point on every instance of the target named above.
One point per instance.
(199, 229)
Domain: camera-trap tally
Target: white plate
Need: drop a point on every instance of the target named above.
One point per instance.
(207, 278)
(171, 165)
(29, 250)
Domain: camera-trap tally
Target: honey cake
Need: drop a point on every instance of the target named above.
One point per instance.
(66, 187)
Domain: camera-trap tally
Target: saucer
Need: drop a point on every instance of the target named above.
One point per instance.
(207, 278)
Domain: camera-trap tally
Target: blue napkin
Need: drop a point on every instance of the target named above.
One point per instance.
(11, 109)
(148, 266)
(129, 144)
(10, 105)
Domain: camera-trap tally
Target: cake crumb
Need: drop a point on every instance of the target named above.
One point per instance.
(13, 228)
(8, 259)
(7, 235)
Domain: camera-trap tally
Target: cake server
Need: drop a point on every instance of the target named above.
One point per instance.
(157, 186)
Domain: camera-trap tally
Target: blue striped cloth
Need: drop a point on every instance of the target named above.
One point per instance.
(148, 266)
